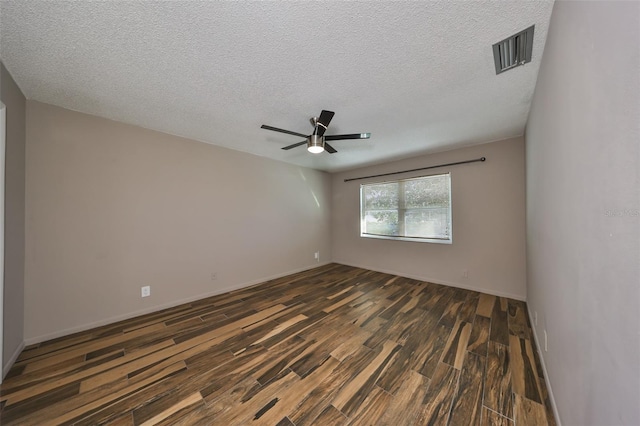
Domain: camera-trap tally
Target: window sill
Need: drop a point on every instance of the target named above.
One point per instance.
(413, 240)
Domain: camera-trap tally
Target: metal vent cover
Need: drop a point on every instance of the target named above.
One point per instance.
(514, 50)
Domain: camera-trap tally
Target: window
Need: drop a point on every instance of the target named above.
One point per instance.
(410, 209)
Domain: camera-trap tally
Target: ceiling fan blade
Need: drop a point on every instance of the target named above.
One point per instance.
(351, 136)
(275, 129)
(295, 144)
(324, 120)
(329, 148)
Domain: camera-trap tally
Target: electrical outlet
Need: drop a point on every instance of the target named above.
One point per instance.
(145, 291)
(546, 347)
(317, 256)
(465, 273)
(214, 276)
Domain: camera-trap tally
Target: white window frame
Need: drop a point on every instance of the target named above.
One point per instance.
(402, 211)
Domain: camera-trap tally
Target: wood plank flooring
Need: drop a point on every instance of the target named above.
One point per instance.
(335, 345)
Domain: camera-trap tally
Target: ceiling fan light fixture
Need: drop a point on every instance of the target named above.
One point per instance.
(315, 144)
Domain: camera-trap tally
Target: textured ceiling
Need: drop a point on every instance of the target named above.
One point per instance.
(418, 75)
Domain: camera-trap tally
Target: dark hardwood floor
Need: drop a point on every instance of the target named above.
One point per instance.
(330, 346)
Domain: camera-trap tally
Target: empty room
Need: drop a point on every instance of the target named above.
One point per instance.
(320, 213)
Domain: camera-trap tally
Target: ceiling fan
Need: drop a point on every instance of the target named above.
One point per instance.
(316, 141)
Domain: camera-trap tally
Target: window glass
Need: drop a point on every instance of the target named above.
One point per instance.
(417, 209)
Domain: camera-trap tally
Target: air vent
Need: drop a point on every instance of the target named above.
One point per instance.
(514, 50)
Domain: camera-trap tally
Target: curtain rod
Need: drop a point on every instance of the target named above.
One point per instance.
(422, 168)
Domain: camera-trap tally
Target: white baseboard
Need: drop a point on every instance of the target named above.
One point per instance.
(111, 320)
(7, 366)
(438, 281)
(552, 400)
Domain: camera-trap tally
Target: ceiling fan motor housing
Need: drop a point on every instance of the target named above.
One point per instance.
(315, 144)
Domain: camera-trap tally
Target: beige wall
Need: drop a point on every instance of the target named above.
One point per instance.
(14, 232)
(583, 211)
(112, 207)
(488, 208)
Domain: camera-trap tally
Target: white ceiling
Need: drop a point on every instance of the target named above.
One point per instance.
(418, 75)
